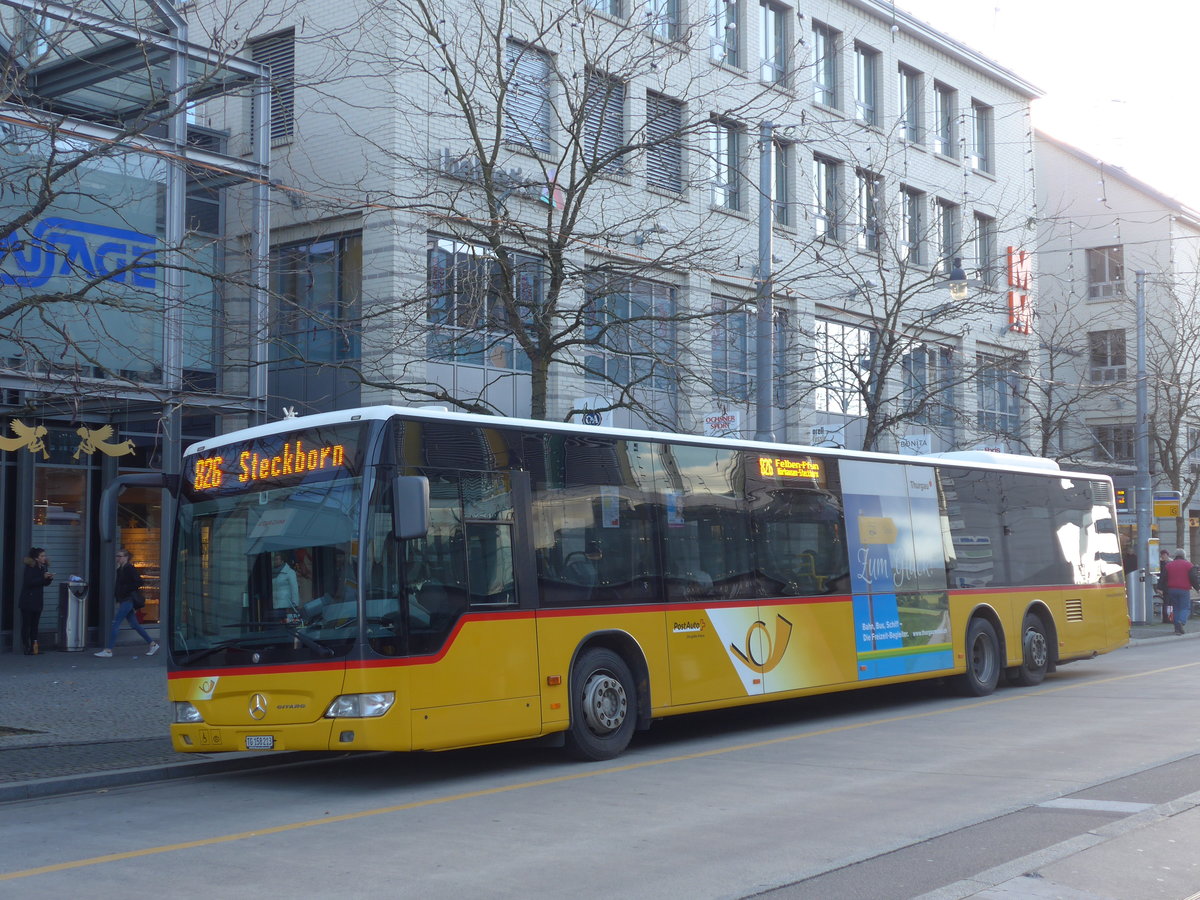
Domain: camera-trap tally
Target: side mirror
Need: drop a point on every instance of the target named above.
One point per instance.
(410, 506)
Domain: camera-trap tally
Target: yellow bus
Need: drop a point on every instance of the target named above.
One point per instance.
(413, 579)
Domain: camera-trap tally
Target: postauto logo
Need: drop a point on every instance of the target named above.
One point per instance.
(60, 246)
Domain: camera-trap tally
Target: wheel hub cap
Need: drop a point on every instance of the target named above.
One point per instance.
(604, 703)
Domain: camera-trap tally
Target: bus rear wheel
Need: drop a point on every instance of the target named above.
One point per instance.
(1035, 653)
(603, 705)
(983, 660)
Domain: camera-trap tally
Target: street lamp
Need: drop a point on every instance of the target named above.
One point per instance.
(764, 344)
(958, 281)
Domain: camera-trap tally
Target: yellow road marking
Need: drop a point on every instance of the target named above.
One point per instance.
(560, 779)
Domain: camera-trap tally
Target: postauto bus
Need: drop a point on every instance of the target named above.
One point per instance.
(408, 579)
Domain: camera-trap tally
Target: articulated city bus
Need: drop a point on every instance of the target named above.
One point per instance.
(412, 579)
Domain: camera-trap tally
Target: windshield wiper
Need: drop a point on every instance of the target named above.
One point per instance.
(293, 630)
(238, 642)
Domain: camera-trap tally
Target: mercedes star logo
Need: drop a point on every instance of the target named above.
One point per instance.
(258, 706)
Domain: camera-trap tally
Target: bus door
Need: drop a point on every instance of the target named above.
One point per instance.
(470, 620)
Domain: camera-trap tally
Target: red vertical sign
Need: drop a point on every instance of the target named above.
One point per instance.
(1020, 281)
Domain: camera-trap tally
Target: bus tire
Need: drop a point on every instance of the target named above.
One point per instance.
(983, 660)
(603, 705)
(1035, 653)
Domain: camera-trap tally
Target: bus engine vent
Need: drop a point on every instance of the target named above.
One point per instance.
(1102, 493)
(1075, 610)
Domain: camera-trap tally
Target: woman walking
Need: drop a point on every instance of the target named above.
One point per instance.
(126, 589)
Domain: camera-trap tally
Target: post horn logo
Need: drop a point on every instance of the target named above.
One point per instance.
(754, 656)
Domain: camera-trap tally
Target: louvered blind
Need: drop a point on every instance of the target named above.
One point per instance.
(278, 53)
(604, 128)
(527, 106)
(664, 156)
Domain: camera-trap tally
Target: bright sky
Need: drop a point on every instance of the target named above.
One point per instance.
(1118, 78)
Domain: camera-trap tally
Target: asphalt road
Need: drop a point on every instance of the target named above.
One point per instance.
(884, 794)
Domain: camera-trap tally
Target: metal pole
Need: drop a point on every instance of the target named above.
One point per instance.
(764, 345)
(1141, 605)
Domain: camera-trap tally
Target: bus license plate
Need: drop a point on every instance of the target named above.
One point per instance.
(260, 742)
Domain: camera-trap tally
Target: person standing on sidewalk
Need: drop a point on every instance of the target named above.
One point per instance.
(1179, 589)
(33, 586)
(127, 592)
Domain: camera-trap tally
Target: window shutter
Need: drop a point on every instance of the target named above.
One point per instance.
(604, 116)
(527, 106)
(664, 156)
(278, 53)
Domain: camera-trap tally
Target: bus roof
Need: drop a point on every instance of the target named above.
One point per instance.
(970, 458)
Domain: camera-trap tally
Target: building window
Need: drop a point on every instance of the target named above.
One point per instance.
(945, 111)
(1106, 352)
(866, 74)
(604, 126)
(726, 162)
(781, 188)
(318, 285)
(984, 245)
(1114, 443)
(630, 333)
(527, 104)
(725, 28)
(912, 211)
(278, 53)
(843, 367)
(928, 372)
(910, 104)
(1106, 272)
(662, 16)
(825, 197)
(469, 322)
(733, 325)
(664, 132)
(866, 210)
(609, 7)
(998, 401)
(981, 136)
(825, 66)
(773, 43)
(946, 233)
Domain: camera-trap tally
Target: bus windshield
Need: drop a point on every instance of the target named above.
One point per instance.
(267, 568)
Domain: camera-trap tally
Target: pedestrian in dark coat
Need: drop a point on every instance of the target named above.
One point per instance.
(33, 585)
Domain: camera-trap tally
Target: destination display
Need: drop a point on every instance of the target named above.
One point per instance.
(277, 460)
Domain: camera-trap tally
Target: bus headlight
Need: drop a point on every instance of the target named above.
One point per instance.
(360, 706)
(186, 713)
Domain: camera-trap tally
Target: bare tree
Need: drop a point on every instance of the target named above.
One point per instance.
(889, 338)
(554, 208)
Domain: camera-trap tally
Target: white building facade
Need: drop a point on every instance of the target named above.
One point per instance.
(1099, 227)
(549, 209)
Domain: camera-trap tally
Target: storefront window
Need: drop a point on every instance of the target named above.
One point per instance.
(139, 520)
(59, 517)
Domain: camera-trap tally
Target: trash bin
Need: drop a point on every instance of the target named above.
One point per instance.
(72, 614)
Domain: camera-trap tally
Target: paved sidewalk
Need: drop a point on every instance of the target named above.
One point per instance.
(71, 722)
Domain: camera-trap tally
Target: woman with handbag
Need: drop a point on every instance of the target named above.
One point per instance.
(127, 591)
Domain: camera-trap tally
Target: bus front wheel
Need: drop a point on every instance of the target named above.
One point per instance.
(1035, 653)
(983, 660)
(603, 705)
